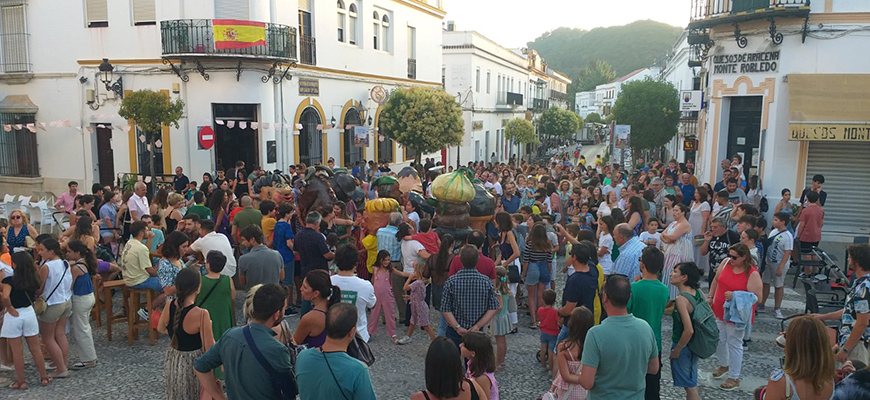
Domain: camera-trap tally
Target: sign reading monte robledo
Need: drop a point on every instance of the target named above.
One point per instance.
(765, 61)
(832, 131)
(309, 87)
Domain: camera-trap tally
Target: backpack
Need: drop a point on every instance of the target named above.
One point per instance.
(763, 206)
(706, 337)
(765, 245)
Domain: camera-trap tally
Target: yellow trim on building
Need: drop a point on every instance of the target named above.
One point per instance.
(167, 148)
(801, 170)
(423, 7)
(305, 103)
(134, 165)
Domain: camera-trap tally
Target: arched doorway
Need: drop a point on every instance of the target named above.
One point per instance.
(310, 138)
(351, 154)
(385, 148)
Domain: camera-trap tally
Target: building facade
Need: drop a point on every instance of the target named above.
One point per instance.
(278, 83)
(677, 72)
(786, 90)
(584, 103)
(607, 93)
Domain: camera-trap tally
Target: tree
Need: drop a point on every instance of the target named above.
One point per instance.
(150, 111)
(594, 118)
(559, 123)
(520, 131)
(422, 119)
(652, 109)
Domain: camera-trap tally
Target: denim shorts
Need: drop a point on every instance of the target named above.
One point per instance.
(152, 283)
(549, 340)
(289, 269)
(685, 368)
(539, 272)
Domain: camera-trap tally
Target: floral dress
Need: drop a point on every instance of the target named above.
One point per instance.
(419, 308)
(679, 251)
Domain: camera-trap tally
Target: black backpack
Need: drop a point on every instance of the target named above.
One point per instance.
(763, 206)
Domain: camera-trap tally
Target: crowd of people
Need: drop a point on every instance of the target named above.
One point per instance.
(638, 243)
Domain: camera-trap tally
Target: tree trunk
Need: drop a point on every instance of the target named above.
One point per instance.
(151, 154)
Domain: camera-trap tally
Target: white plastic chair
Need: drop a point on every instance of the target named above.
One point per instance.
(25, 200)
(8, 198)
(41, 212)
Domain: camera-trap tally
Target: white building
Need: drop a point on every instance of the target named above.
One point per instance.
(489, 82)
(786, 89)
(607, 93)
(310, 65)
(584, 103)
(678, 73)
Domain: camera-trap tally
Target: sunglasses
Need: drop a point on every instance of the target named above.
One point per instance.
(734, 255)
(15, 217)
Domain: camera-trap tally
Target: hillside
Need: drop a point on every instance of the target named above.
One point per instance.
(626, 47)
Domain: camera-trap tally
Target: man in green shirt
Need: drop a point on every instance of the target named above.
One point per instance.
(246, 378)
(246, 217)
(649, 297)
(620, 351)
(199, 208)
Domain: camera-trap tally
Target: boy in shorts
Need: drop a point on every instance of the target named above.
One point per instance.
(549, 329)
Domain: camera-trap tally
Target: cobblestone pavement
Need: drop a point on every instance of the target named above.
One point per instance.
(136, 372)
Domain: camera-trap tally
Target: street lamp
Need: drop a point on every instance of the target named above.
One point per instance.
(106, 75)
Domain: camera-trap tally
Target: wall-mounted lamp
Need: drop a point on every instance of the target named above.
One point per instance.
(332, 121)
(106, 75)
(370, 120)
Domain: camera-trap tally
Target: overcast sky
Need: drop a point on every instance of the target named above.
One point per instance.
(512, 23)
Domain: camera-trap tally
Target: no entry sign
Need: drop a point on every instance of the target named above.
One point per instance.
(206, 137)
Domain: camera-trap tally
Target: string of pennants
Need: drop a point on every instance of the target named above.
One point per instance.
(34, 126)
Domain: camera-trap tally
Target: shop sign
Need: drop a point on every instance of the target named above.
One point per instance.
(690, 100)
(309, 87)
(764, 61)
(690, 145)
(835, 132)
(477, 125)
(622, 136)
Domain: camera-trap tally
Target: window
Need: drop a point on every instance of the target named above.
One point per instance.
(232, 9)
(477, 80)
(13, 40)
(377, 30)
(341, 16)
(18, 156)
(487, 81)
(143, 12)
(443, 77)
(385, 36)
(97, 13)
(351, 28)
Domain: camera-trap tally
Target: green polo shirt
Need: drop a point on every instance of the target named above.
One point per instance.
(245, 377)
(247, 217)
(648, 301)
(201, 210)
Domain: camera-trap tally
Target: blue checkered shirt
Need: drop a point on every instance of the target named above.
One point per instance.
(468, 294)
(628, 263)
(387, 241)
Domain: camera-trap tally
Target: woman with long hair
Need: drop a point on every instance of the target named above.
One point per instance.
(316, 288)
(808, 366)
(445, 375)
(241, 185)
(606, 207)
(218, 203)
(18, 292)
(699, 219)
(596, 198)
(84, 268)
(413, 252)
(677, 239)
(437, 269)
(170, 264)
(57, 292)
(536, 268)
(785, 205)
(570, 354)
(159, 204)
(189, 328)
(634, 215)
(735, 274)
(173, 213)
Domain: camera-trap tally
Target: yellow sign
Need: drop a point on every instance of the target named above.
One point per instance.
(835, 132)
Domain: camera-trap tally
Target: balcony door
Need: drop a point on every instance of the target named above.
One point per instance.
(352, 154)
(236, 143)
(748, 5)
(385, 147)
(744, 132)
(310, 138)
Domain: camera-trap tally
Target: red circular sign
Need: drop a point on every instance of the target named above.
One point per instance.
(206, 137)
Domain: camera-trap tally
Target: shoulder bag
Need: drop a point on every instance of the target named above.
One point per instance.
(326, 359)
(359, 349)
(210, 291)
(283, 383)
(40, 304)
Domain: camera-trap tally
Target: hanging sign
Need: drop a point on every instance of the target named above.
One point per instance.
(360, 136)
(690, 100)
(622, 136)
(206, 137)
(690, 145)
(309, 87)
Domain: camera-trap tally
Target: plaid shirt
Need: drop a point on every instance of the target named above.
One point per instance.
(468, 294)
(387, 241)
(627, 263)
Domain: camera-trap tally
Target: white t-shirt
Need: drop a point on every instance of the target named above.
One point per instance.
(6, 269)
(605, 261)
(782, 242)
(360, 293)
(607, 189)
(219, 242)
(495, 185)
(646, 236)
(138, 204)
(413, 216)
(409, 255)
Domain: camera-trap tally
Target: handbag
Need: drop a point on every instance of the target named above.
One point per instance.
(359, 349)
(283, 383)
(513, 273)
(40, 304)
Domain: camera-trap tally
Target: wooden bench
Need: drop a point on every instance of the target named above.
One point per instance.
(106, 304)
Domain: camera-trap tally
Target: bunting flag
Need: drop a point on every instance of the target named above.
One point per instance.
(101, 126)
(243, 125)
(319, 127)
(231, 124)
(255, 125)
(238, 34)
(219, 121)
(78, 128)
(67, 124)
(41, 125)
(31, 127)
(90, 129)
(7, 128)
(265, 125)
(298, 127)
(18, 127)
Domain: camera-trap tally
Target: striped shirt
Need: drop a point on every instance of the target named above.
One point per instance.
(533, 256)
(387, 241)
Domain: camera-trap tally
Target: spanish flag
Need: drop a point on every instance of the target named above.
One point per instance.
(236, 34)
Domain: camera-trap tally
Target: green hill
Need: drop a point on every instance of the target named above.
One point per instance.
(626, 48)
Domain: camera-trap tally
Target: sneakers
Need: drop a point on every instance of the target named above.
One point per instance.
(745, 344)
(142, 314)
(404, 340)
(777, 313)
(730, 384)
(720, 372)
(760, 308)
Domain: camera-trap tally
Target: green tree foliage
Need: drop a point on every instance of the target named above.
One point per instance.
(422, 119)
(150, 111)
(652, 109)
(556, 122)
(520, 131)
(594, 74)
(594, 118)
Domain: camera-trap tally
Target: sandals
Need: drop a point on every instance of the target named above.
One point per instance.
(533, 325)
(18, 385)
(83, 365)
(61, 375)
(513, 331)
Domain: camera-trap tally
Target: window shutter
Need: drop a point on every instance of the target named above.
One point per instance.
(14, 39)
(97, 11)
(232, 9)
(304, 6)
(143, 11)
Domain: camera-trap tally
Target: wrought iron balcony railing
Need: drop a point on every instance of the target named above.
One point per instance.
(514, 99)
(195, 37)
(540, 104)
(307, 50)
(712, 9)
(412, 68)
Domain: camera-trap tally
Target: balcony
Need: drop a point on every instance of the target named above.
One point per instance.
(412, 68)
(307, 50)
(709, 13)
(540, 104)
(196, 38)
(559, 96)
(514, 99)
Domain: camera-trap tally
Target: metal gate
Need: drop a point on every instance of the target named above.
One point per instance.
(846, 168)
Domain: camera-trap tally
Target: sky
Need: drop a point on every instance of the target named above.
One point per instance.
(513, 23)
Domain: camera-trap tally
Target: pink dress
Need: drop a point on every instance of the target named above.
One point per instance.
(419, 308)
(577, 391)
(384, 302)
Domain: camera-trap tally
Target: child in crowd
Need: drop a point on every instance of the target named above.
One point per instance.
(419, 309)
(684, 364)
(332, 242)
(605, 243)
(586, 219)
(381, 280)
(501, 323)
(549, 329)
(651, 236)
(427, 237)
(749, 237)
(566, 384)
(477, 349)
